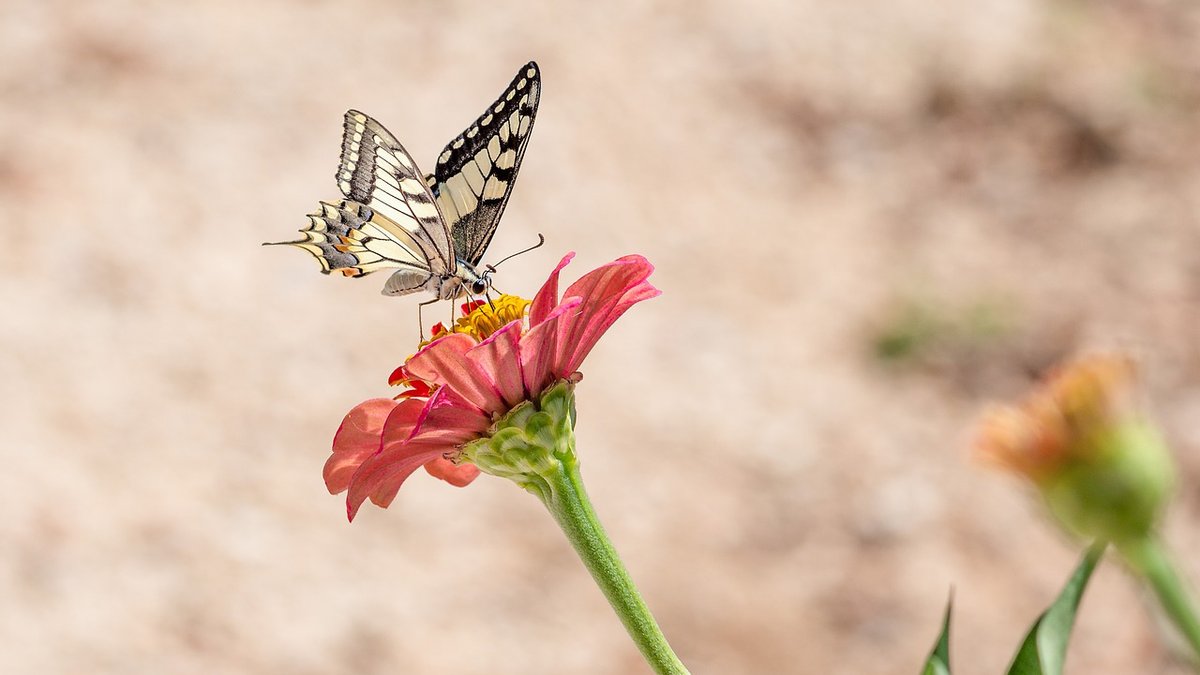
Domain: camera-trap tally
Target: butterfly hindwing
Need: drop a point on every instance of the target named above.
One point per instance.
(349, 237)
(376, 171)
(475, 172)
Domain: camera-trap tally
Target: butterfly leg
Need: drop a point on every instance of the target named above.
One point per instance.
(420, 319)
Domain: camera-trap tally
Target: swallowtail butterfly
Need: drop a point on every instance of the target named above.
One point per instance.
(434, 229)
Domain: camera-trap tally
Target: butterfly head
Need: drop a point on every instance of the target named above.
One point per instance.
(483, 282)
(471, 281)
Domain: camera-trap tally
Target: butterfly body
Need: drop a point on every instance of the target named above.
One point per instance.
(432, 230)
(466, 281)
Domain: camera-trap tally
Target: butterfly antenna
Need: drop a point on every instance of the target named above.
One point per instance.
(541, 240)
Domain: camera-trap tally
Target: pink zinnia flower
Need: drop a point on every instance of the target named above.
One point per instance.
(462, 382)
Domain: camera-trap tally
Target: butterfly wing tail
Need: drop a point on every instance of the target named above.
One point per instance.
(334, 237)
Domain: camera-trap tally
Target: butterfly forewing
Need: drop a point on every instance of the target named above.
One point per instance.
(377, 171)
(475, 172)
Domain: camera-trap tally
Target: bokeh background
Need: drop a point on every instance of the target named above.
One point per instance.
(869, 219)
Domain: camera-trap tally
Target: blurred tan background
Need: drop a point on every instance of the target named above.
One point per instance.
(869, 219)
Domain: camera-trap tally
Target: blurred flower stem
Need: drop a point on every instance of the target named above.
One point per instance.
(1148, 557)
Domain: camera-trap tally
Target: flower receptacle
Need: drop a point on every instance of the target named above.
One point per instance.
(532, 441)
(1117, 490)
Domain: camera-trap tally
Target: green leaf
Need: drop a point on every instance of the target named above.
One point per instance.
(1045, 647)
(938, 662)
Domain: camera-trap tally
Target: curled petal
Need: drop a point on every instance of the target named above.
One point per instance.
(500, 356)
(540, 346)
(356, 439)
(458, 475)
(444, 361)
(448, 420)
(607, 292)
(547, 297)
(380, 476)
(403, 419)
(414, 434)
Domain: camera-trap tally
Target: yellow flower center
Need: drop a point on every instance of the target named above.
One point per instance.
(485, 318)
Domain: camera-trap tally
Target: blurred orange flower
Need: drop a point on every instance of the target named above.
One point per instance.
(1081, 438)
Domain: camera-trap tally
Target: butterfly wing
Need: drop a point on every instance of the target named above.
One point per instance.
(351, 238)
(389, 219)
(475, 172)
(378, 172)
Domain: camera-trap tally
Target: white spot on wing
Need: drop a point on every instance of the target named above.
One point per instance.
(423, 209)
(507, 159)
(474, 178)
(464, 198)
(484, 162)
(494, 188)
(412, 187)
(449, 209)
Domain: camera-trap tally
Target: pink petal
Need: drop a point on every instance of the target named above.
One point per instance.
(607, 292)
(499, 355)
(356, 439)
(413, 439)
(444, 361)
(450, 420)
(404, 418)
(458, 475)
(540, 345)
(547, 297)
(381, 476)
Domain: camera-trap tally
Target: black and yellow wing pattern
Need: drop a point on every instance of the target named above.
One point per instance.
(389, 218)
(429, 229)
(475, 172)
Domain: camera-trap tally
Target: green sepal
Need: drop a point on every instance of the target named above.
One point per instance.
(1119, 491)
(1045, 646)
(938, 662)
(535, 439)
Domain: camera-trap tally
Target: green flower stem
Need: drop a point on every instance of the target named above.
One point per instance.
(1149, 558)
(534, 446)
(569, 504)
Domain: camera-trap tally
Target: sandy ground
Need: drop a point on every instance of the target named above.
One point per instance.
(869, 219)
